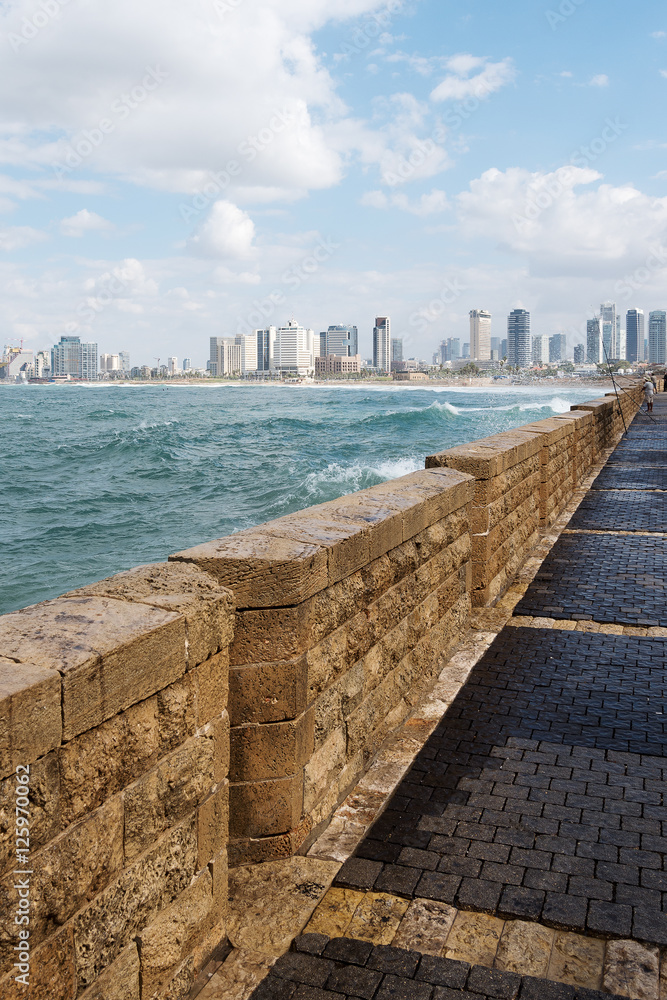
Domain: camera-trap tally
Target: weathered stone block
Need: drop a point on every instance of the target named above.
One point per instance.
(208, 609)
(52, 973)
(111, 654)
(177, 713)
(254, 851)
(265, 808)
(271, 634)
(30, 714)
(99, 763)
(271, 750)
(213, 824)
(220, 729)
(168, 940)
(212, 685)
(45, 820)
(167, 793)
(67, 874)
(133, 899)
(268, 692)
(490, 456)
(120, 981)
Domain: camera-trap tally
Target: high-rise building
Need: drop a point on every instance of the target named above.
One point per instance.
(322, 353)
(124, 359)
(518, 339)
(579, 354)
(396, 349)
(15, 360)
(540, 349)
(657, 337)
(342, 341)
(503, 347)
(382, 344)
(465, 351)
(225, 356)
(294, 349)
(558, 347)
(594, 345)
(480, 335)
(109, 362)
(634, 334)
(42, 364)
(611, 331)
(495, 344)
(172, 365)
(71, 357)
(248, 345)
(187, 364)
(266, 340)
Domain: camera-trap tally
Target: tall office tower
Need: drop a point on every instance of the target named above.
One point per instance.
(342, 341)
(657, 337)
(322, 347)
(480, 335)
(124, 359)
(495, 344)
(187, 364)
(634, 334)
(294, 349)
(594, 348)
(579, 354)
(540, 349)
(225, 356)
(397, 349)
(266, 340)
(71, 357)
(109, 362)
(465, 350)
(503, 347)
(611, 328)
(518, 339)
(454, 348)
(172, 365)
(382, 344)
(558, 347)
(248, 345)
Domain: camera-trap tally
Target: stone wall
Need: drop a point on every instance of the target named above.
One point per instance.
(320, 630)
(115, 697)
(345, 613)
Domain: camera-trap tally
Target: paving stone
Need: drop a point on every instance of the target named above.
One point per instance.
(577, 960)
(350, 979)
(567, 912)
(542, 989)
(474, 938)
(377, 918)
(393, 960)
(615, 477)
(396, 988)
(334, 912)
(301, 968)
(443, 972)
(622, 510)
(311, 944)
(347, 950)
(358, 873)
(425, 926)
(520, 901)
(494, 983)
(632, 969)
(609, 918)
(525, 948)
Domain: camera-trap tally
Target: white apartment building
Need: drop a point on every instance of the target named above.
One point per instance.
(293, 349)
(172, 366)
(540, 350)
(480, 335)
(382, 344)
(109, 362)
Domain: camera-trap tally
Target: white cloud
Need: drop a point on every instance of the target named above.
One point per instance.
(659, 34)
(85, 222)
(601, 80)
(663, 72)
(227, 232)
(425, 206)
(16, 237)
(459, 85)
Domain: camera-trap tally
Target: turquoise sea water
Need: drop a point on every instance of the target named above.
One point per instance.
(96, 479)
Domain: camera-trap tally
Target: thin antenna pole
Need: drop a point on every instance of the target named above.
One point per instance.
(618, 400)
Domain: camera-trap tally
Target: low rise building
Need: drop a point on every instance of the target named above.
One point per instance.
(411, 376)
(338, 364)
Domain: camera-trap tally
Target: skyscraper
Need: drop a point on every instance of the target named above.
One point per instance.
(594, 347)
(71, 357)
(187, 364)
(519, 347)
(294, 349)
(579, 354)
(611, 331)
(342, 341)
(634, 334)
(266, 340)
(109, 362)
(540, 349)
(225, 356)
(124, 359)
(657, 337)
(480, 335)
(382, 344)
(397, 353)
(558, 347)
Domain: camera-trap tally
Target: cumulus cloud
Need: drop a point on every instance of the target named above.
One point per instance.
(428, 204)
(228, 231)
(17, 237)
(85, 222)
(601, 80)
(458, 84)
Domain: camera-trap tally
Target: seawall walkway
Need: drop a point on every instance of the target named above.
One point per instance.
(524, 853)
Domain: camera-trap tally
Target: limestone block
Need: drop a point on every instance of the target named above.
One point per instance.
(213, 824)
(271, 634)
(255, 851)
(120, 981)
(262, 570)
(485, 519)
(212, 686)
(168, 940)
(474, 938)
(265, 808)
(45, 820)
(167, 793)
(52, 973)
(238, 977)
(180, 984)
(133, 899)
(220, 730)
(177, 712)
(268, 692)
(525, 948)
(110, 654)
(271, 750)
(577, 960)
(377, 918)
(208, 609)
(270, 903)
(67, 874)
(334, 913)
(489, 456)
(30, 715)
(425, 927)
(322, 770)
(434, 494)
(632, 969)
(99, 763)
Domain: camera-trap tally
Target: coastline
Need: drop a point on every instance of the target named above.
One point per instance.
(604, 383)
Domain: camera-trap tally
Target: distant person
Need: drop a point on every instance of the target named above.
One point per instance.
(649, 389)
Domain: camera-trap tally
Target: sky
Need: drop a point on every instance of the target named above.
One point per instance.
(181, 169)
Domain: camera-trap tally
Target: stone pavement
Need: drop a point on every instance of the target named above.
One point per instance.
(524, 851)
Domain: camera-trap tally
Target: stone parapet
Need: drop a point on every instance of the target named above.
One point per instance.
(113, 703)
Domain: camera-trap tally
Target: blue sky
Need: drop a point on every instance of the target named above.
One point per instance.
(182, 170)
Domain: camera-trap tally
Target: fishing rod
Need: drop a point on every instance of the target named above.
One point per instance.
(613, 380)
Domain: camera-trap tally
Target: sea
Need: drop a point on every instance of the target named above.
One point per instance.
(95, 479)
